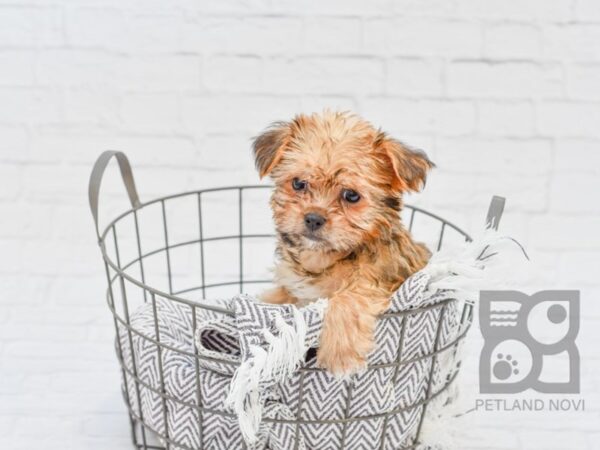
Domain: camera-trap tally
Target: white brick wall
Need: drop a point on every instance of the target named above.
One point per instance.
(503, 94)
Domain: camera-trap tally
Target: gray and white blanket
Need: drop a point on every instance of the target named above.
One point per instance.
(258, 384)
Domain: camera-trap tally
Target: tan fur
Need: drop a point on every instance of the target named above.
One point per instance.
(363, 252)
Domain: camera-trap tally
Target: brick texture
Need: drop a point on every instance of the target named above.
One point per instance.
(503, 94)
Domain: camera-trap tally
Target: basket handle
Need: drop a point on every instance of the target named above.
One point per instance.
(96, 180)
(495, 212)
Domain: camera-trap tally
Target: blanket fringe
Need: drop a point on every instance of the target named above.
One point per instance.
(472, 267)
(244, 397)
(285, 351)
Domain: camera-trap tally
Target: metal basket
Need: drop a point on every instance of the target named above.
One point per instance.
(148, 257)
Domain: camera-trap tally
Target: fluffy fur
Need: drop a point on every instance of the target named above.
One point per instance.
(362, 252)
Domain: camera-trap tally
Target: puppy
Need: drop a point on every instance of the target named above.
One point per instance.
(336, 203)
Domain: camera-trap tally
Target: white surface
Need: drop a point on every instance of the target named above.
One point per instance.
(504, 95)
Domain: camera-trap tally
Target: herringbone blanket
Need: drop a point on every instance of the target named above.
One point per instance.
(288, 403)
(377, 401)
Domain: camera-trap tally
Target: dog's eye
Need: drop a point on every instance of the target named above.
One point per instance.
(350, 196)
(298, 184)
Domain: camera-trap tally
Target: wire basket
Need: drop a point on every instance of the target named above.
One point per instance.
(179, 249)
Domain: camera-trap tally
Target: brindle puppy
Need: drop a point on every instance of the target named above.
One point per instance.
(338, 193)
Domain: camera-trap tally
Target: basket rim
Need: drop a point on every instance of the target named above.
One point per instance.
(133, 210)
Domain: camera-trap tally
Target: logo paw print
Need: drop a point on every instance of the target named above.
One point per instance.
(505, 367)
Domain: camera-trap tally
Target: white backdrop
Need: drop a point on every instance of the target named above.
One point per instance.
(504, 95)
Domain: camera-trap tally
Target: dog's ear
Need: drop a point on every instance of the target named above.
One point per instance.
(409, 166)
(269, 147)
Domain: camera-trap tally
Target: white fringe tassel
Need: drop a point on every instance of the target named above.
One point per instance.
(488, 262)
(244, 395)
(283, 356)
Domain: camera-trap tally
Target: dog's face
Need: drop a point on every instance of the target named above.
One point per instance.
(338, 180)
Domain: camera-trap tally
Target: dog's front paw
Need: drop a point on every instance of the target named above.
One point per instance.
(343, 349)
(347, 335)
(340, 362)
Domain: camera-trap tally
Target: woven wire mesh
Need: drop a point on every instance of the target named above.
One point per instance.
(213, 243)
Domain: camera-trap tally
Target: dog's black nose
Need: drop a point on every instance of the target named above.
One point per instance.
(313, 221)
